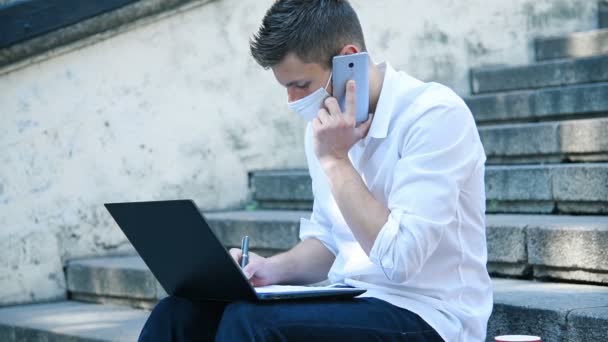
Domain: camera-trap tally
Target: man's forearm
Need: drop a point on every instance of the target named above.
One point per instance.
(306, 263)
(362, 212)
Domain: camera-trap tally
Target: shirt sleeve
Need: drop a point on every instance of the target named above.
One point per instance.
(437, 155)
(319, 224)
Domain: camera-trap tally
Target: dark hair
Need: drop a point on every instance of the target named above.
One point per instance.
(315, 30)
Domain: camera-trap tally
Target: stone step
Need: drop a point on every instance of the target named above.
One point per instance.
(127, 280)
(269, 231)
(570, 248)
(570, 102)
(561, 188)
(555, 312)
(546, 142)
(575, 45)
(282, 189)
(71, 321)
(540, 75)
(122, 280)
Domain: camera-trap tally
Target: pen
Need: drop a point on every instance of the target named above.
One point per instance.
(245, 250)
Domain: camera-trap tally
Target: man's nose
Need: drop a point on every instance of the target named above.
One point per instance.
(295, 94)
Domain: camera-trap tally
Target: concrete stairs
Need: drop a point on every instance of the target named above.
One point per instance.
(562, 72)
(518, 246)
(531, 188)
(71, 321)
(545, 131)
(558, 312)
(546, 216)
(576, 45)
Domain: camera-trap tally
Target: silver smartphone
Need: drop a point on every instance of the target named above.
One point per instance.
(352, 67)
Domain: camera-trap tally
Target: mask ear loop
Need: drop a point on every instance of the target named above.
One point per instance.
(330, 75)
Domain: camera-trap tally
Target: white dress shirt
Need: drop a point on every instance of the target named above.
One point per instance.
(423, 159)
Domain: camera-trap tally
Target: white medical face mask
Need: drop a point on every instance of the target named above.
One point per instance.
(308, 107)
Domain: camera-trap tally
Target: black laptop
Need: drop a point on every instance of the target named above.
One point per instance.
(187, 258)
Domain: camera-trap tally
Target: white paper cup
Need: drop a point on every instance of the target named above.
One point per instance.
(517, 338)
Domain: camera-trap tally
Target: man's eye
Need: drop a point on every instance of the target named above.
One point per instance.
(303, 86)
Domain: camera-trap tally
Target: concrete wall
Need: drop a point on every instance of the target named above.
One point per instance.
(175, 108)
(441, 40)
(172, 109)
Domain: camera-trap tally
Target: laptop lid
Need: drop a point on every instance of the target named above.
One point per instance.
(180, 249)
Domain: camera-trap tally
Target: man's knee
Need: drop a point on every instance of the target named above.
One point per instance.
(241, 321)
(239, 313)
(172, 307)
(168, 313)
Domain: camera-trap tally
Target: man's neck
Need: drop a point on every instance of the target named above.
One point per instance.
(376, 79)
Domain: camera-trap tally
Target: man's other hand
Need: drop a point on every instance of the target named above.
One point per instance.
(260, 271)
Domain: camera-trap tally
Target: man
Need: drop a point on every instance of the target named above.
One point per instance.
(398, 204)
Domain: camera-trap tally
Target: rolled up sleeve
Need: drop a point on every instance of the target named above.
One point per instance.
(437, 155)
(313, 228)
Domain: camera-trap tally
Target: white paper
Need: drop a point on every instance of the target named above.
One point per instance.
(293, 288)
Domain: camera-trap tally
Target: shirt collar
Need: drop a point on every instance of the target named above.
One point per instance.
(384, 107)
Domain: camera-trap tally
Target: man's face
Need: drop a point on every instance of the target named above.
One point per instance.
(300, 79)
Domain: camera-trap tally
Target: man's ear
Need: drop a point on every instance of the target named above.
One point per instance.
(349, 49)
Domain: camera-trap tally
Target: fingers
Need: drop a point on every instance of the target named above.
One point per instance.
(236, 254)
(323, 116)
(252, 267)
(254, 264)
(332, 106)
(316, 123)
(363, 128)
(350, 101)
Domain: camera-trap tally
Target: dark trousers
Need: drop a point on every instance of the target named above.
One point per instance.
(360, 319)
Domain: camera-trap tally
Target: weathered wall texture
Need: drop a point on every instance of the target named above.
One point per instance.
(441, 40)
(176, 108)
(173, 109)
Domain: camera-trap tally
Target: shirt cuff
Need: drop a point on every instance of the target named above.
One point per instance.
(310, 229)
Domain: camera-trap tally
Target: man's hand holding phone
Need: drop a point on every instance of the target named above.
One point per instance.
(335, 132)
